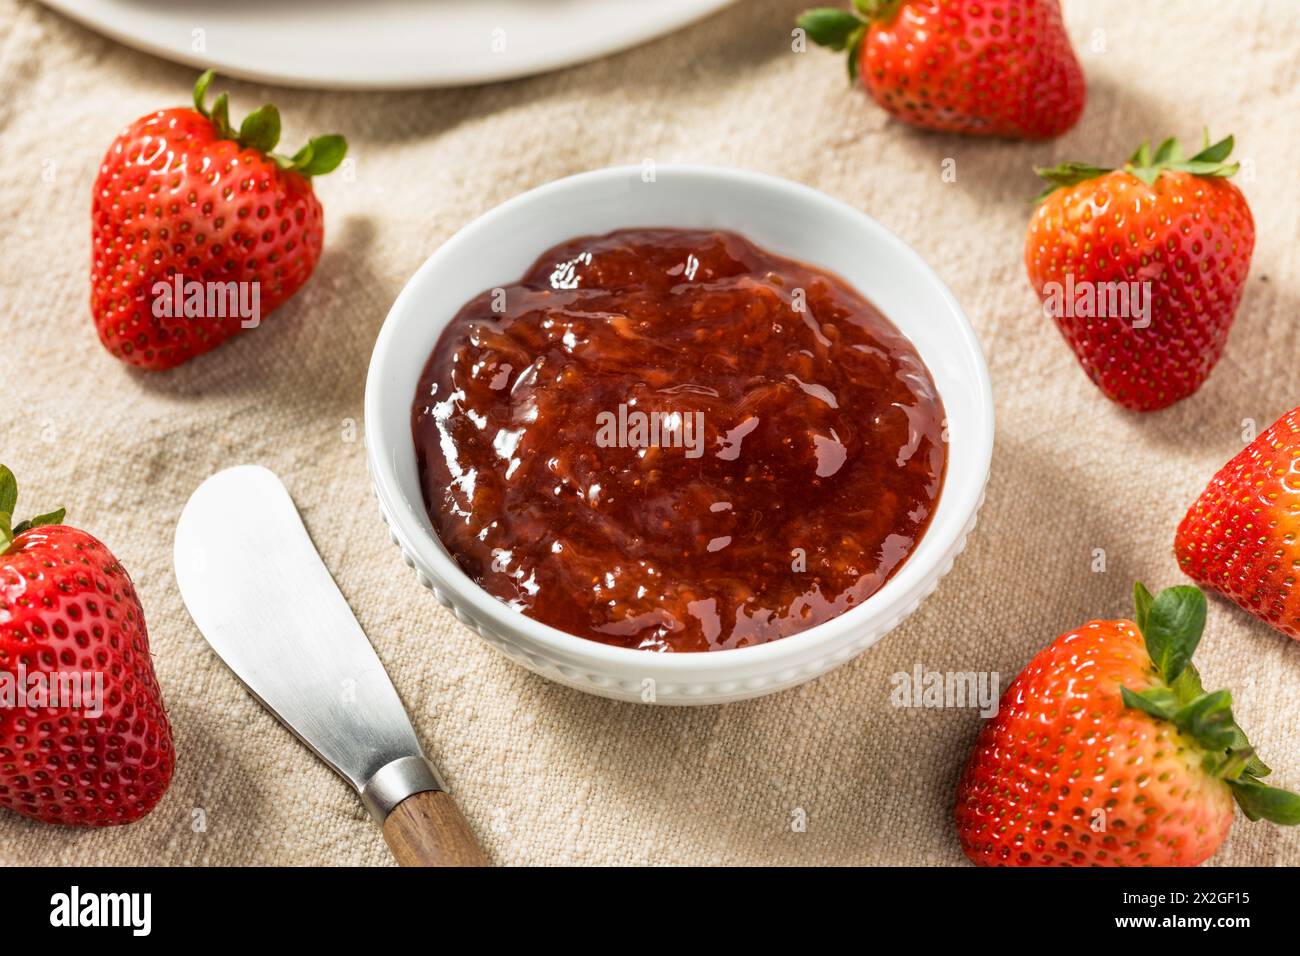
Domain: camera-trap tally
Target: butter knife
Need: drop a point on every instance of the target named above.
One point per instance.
(263, 599)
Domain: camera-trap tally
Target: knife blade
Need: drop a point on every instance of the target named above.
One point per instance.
(263, 599)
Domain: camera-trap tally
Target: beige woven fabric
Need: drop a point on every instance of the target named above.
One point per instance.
(550, 775)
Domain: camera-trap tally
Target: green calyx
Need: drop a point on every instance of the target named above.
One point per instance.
(1147, 166)
(839, 30)
(260, 130)
(1210, 161)
(1171, 624)
(8, 501)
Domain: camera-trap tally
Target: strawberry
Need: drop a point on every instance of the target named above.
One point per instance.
(83, 736)
(1239, 538)
(1106, 751)
(988, 68)
(199, 231)
(1142, 268)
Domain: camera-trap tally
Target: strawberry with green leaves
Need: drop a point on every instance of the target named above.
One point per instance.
(182, 193)
(982, 67)
(1107, 751)
(84, 738)
(1142, 268)
(1242, 535)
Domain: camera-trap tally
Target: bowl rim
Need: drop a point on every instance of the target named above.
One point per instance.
(892, 602)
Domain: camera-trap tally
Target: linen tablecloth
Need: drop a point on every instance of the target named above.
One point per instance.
(550, 775)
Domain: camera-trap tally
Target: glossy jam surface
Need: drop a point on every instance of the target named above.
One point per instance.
(673, 440)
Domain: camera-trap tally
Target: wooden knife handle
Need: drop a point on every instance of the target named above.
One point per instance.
(427, 829)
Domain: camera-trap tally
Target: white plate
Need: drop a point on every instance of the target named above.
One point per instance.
(383, 44)
(783, 217)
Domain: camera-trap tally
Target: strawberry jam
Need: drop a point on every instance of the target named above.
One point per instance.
(673, 440)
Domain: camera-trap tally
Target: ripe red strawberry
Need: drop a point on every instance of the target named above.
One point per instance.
(182, 194)
(984, 67)
(1165, 231)
(1240, 537)
(1106, 751)
(94, 750)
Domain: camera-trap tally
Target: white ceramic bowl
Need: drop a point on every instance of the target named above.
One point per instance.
(780, 216)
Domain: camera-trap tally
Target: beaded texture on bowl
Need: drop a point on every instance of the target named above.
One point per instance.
(519, 649)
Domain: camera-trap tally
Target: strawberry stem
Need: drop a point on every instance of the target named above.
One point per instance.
(1211, 161)
(846, 30)
(839, 30)
(1259, 801)
(260, 130)
(836, 30)
(1171, 624)
(8, 501)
